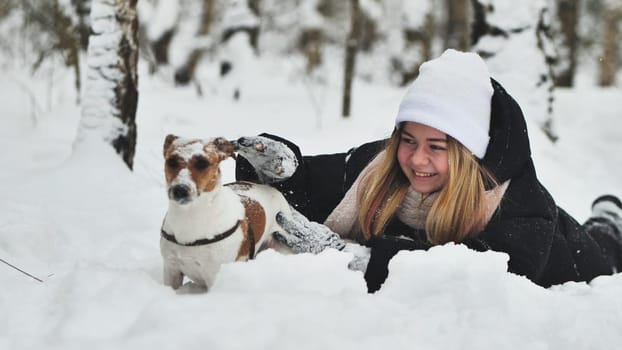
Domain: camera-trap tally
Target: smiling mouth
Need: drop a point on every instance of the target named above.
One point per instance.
(418, 174)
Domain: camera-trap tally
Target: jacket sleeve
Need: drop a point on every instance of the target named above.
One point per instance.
(544, 243)
(523, 227)
(320, 181)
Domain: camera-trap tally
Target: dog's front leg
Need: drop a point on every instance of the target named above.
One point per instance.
(173, 277)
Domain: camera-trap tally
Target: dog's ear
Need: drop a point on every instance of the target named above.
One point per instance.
(225, 148)
(168, 141)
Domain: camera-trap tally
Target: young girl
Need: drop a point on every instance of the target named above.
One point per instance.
(457, 168)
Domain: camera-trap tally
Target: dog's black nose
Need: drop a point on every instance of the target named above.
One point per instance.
(180, 192)
(244, 141)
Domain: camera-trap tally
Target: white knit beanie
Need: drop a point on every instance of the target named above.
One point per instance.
(452, 94)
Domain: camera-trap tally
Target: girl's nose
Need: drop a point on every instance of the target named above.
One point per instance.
(419, 157)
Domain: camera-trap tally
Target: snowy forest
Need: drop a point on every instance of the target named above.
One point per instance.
(91, 88)
(195, 43)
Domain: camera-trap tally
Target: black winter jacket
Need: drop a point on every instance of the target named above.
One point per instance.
(543, 242)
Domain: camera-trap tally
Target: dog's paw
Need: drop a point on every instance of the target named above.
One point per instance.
(273, 160)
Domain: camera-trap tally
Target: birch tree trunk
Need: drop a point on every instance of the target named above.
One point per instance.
(352, 43)
(111, 95)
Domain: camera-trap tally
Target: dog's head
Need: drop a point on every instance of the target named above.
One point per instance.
(191, 166)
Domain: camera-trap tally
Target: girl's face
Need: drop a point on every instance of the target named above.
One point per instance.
(422, 154)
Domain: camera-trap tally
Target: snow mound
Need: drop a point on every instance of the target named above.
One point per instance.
(419, 274)
(271, 272)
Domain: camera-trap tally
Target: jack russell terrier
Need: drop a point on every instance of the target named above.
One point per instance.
(208, 224)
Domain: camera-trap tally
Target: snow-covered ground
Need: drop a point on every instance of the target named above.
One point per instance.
(89, 228)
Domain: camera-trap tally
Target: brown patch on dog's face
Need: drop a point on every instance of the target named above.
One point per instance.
(205, 169)
(194, 163)
(256, 219)
(173, 163)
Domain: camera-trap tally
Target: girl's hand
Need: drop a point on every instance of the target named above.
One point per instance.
(304, 236)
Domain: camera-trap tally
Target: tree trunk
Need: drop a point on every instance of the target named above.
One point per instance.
(610, 59)
(480, 26)
(255, 7)
(185, 73)
(568, 15)
(350, 59)
(111, 93)
(310, 44)
(68, 42)
(63, 36)
(547, 78)
(422, 39)
(83, 9)
(160, 47)
(457, 31)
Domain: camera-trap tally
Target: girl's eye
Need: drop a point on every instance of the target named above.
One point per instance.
(172, 162)
(201, 164)
(438, 148)
(408, 140)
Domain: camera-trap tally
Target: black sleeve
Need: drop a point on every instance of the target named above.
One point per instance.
(321, 181)
(546, 250)
(606, 236)
(383, 249)
(527, 241)
(524, 227)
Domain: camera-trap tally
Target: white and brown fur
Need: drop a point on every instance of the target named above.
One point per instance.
(200, 208)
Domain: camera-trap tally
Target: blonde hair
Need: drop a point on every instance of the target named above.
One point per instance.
(458, 212)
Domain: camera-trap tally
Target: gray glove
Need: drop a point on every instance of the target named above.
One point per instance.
(361, 256)
(304, 236)
(273, 160)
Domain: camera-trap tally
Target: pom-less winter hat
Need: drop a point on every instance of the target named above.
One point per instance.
(452, 94)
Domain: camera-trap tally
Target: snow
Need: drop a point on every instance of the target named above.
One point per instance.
(371, 9)
(162, 17)
(237, 51)
(522, 16)
(188, 148)
(89, 228)
(309, 16)
(238, 15)
(414, 12)
(404, 14)
(521, 47)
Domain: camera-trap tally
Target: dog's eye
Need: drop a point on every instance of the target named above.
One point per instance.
(201, 164)
(172, 162)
